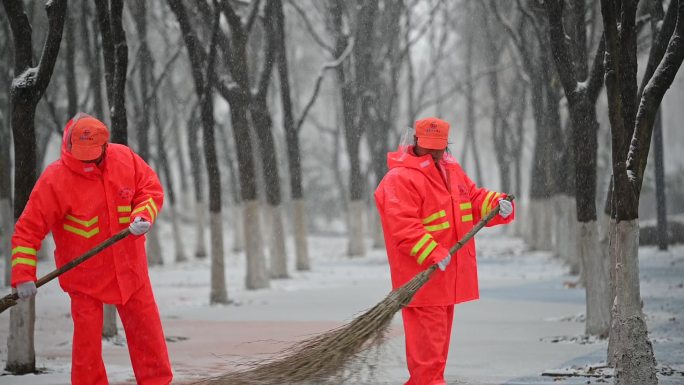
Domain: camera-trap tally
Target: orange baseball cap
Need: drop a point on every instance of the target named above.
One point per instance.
(88, 135)
(432, 133)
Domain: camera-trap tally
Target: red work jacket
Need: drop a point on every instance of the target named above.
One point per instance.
(424, 212)
(83, 204)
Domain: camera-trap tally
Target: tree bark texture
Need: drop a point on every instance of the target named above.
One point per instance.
(27, 88)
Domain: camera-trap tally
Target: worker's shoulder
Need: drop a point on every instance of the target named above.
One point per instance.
(120, 153)
(403, 176)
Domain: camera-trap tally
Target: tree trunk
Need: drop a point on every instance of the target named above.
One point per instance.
(109, 329)
(200, 205)
(292, 142)
(302, 261)
(633, 348)
(92, 56)
(70, 71)
(219, 293)
(26, 91)
(661, 206)
(257, 276)
(598, 300)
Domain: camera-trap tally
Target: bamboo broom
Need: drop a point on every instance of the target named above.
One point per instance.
(316, 360)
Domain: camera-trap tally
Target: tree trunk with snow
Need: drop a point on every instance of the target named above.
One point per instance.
(357, 244)
(598, 299)
(632, 112)
(278, 266)
(109, 321)
(302, 250)
(115, 53)
(154, 250)
(202, 73)
(257, 275)
(27, 89)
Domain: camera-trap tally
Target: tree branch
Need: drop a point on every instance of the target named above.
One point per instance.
(309, 27)
(652, 97)
(334, 64)
(252, 16)
(21, 34)
(660, 45)
(559, 48)
(595, 82)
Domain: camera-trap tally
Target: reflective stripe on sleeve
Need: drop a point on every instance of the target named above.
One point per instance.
(435, 216)
(438, 227)
(420, 244)
(426, 252)
(24, 261)
(24, 249)
(485, 204)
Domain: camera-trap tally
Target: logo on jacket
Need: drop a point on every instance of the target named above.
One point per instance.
(126, 193)
(462, 189)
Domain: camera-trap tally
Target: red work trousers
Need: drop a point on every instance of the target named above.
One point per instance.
(144, 336)
(428, 331)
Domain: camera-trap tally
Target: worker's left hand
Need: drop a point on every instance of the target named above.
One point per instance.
(505, 208)
(139, 226)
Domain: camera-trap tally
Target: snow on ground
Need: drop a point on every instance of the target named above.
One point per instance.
(526, 323)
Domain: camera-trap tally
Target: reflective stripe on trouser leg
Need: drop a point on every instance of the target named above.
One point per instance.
(145, 337)
(427, 332)
(87, 367)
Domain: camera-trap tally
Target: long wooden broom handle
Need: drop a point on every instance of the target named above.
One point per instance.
(11, 299)
(482, 223)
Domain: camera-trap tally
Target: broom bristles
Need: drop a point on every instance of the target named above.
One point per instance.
(323, 356)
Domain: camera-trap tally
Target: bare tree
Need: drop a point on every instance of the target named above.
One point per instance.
(202, 68)
(5, 147)
(115, 53)
(632, 112)
(582, 89)
(28, 86)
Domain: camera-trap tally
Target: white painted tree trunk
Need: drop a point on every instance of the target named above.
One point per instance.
(6, 237)
(634, 360)
(540, 224)
(301, 245)
(238, 228)
(154, 250)
(278, 252)
(218, 294)
(200, 220)
(376, 230)
(21, 354)
(109, 322)
(357, 247)
(177, 235)
(257, 273)
(596, 277)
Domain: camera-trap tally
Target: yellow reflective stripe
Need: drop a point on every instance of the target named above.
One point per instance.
(467, 218)
(87, 223)
(426, 252)
(465, 206)
(86, 234)
(124, 220)
(437, 215)
(485, 204)
(154, 207)
(139, 209)
(420, 244)
(24, 261)
(152, 214)
(24, 249)
(123, 209)
(438, 227)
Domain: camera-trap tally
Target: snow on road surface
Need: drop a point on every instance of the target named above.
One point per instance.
(527, 321)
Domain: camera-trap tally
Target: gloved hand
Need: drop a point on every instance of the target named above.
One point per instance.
(505, 208)
(139, 226)
(444, 262)
(26, 290)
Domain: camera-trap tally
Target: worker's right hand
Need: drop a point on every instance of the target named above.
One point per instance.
(444, 262)
(139, 226)
(26, 290)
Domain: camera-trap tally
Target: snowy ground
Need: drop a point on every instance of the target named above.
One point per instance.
(527, 322)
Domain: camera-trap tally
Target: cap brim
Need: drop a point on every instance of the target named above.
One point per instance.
(432, 143)
(86, 152)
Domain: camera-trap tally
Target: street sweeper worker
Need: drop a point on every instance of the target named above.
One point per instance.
(95, 190)
(426, 204)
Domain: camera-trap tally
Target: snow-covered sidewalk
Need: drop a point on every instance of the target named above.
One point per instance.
(527, 322)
